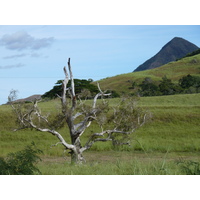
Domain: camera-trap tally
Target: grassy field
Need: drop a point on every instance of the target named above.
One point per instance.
(173, 135)
(173, 70)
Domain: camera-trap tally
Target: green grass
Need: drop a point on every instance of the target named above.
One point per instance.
(173, 133)
(133, 167)
(119, 162)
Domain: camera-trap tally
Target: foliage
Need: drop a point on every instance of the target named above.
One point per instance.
(21, 162)
(166, 86)
(190, 167)
(81, 84)
(186, 84)
(84, 89)
(148, 88)
(127, 116)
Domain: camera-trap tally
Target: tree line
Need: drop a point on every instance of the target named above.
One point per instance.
(84, 89)
(186, 85)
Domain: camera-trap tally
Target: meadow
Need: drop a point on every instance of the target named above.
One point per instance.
(168, 144)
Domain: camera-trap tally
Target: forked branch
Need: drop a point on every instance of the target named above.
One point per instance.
(79, 116)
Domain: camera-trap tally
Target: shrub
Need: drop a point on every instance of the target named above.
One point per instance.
(190, 167)
(22, 162)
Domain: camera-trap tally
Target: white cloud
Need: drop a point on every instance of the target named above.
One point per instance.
(14, 56)
(41, 43)
(22, 40)
(33, 55)
(12, 66)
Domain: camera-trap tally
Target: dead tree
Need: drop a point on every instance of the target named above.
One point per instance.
(122, 119)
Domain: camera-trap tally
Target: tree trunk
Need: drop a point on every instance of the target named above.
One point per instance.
(76, 155)
(77, 158)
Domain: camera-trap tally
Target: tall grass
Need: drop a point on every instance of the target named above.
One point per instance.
(117, 163)
(174, 129)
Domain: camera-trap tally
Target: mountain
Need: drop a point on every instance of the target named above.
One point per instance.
(29, 99)
(173, 50)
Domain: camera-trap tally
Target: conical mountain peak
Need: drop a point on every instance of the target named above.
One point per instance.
(173, 50)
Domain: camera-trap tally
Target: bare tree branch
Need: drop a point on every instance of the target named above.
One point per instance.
(97, 137)
(121, 121)
(64, 88)
(72, 84)
(53, 145)
(26, 121)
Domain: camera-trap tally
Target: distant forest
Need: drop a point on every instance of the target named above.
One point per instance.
(83, 89)
(186, 85)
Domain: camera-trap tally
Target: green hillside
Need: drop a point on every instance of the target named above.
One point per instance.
(173, 70)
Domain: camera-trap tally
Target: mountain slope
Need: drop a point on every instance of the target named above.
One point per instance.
(173, 70)
(173, 50)
(29, 99)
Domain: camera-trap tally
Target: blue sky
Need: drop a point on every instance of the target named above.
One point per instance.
(32, 56)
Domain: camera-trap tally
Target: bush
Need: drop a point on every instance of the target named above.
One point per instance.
(190, 167)
(186, 85)
(22, 162)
